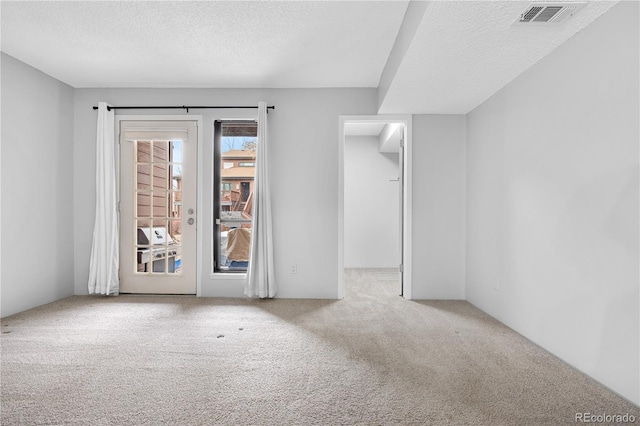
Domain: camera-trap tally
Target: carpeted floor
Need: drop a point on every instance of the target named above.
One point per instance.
(370, 359)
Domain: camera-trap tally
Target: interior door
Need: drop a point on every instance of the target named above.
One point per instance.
(158, 207)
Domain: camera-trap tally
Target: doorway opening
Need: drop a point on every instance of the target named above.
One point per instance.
(374, 203)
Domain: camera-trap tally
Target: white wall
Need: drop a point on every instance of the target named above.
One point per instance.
(303, 133)
(438, 206)
(371, 205)
(552, 202)
(37, 185)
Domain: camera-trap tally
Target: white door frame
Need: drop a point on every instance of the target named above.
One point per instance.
(407, 197)
(199, 176)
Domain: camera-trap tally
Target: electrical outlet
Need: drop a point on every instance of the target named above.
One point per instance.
(293, 269)
(496, 284)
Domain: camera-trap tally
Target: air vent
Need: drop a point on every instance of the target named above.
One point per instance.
(548, 13)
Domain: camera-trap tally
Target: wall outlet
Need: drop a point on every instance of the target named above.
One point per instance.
(496, 284)
(293, 269)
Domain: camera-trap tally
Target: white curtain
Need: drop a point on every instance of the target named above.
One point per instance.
(103, 269)
(260, 275)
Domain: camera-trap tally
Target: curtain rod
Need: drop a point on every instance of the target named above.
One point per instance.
(109, 108)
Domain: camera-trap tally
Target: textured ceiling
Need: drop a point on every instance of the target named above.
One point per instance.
(450, 55)
(465, 51)
(204, 43)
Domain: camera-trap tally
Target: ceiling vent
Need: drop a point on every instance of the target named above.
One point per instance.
(548, 13)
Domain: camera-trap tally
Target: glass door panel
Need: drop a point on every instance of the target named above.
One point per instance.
(154, 247)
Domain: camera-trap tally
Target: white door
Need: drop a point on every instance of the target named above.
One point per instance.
(158, 207)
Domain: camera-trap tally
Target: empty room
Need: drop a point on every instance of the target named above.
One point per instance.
(319, 212)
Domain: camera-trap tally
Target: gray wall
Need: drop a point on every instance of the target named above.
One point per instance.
(438, 206)
(552, 202)
(371, 205)
(303, 133)
(37, 188)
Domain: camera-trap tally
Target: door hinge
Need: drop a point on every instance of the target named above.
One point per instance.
(402, 143)
(401, 267)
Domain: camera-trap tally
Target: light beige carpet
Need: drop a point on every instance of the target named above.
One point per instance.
(371, 359)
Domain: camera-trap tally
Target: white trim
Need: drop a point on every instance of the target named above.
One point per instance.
(407, 244)
(199, 194)
(227, 276)
(341, 123)
(408, 210)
